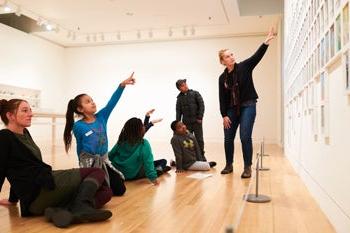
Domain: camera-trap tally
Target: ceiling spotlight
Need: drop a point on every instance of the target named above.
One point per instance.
(6, 6)
(138, 34)
(49, 27)
(170, 33)
(184, 31)
(193, 31)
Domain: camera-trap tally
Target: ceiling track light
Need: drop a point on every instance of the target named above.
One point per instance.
(49, 27)
(6, 6)
(193, 31)
(138, 34)
(184, 31)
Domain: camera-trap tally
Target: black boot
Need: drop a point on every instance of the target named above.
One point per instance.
(82, 207)
(59, 216)
(228, 169)
(247, 173)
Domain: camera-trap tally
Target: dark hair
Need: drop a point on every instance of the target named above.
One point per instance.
(9, 106)
(173, 125)
(132, 132)
(72, 108)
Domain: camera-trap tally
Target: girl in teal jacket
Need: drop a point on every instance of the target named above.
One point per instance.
(132, 154)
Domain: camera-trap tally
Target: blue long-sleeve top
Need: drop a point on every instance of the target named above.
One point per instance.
(92, 137)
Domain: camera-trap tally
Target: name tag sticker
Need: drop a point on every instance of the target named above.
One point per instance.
(88, 133)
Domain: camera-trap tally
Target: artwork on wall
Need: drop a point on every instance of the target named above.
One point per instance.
(346, 70)
(337, 34)
(331, 41)
(331, 8)
(13, 92)
(345, 24)
(326, 47)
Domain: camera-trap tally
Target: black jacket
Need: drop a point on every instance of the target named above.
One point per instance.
(243, 72)
(189, 106)
(25, 172)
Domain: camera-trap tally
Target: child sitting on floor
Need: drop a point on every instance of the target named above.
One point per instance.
(188, 155)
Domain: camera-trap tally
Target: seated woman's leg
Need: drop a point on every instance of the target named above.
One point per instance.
(67, 183)
(103, 193)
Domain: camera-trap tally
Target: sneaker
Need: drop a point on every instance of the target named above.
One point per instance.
(166, 169)
(212, 164)
(172, 163)
(247, 173)
(228, 169)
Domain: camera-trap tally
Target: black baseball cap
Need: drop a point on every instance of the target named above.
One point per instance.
(179, 82)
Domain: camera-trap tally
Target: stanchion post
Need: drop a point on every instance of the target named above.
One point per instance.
(257, 198)
(264, 148)
(262, 168)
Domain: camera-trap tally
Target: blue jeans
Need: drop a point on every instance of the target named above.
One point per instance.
(246, 122)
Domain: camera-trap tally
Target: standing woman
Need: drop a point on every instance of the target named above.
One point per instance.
(238, 99)
(65, 196)
(91, 134)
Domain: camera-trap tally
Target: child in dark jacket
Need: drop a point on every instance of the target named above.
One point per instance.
(187, 152)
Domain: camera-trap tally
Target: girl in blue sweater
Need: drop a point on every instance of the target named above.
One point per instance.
(91, 134)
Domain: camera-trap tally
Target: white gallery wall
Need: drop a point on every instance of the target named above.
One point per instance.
(317, 144)
(62, 73)
(98, 71)
(30, 62)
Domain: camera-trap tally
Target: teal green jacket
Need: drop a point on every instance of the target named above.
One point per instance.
(130, 158)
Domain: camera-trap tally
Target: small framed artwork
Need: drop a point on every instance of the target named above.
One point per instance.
(345, 24)
(331, 41)
(326, 47)
(346, 62)
(337, 34)
(331, 9)
(326, 13)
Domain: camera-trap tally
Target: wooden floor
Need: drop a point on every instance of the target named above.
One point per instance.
(182, 204)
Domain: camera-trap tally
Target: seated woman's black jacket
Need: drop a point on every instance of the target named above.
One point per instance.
(25, 172)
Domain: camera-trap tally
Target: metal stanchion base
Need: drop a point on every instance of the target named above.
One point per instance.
(264, 169)
(257, 198)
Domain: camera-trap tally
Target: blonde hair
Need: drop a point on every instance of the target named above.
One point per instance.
(221, 54)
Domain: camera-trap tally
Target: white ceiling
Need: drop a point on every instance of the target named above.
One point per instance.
(129, 21)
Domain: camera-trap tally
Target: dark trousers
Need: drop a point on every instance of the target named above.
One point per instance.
(158, 165)
(246, 122)
(197, 129)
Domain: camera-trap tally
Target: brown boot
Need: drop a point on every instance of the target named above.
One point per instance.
(247, 173)
(228, 169)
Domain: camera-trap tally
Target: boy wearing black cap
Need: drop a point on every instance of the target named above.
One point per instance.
(190, 110)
